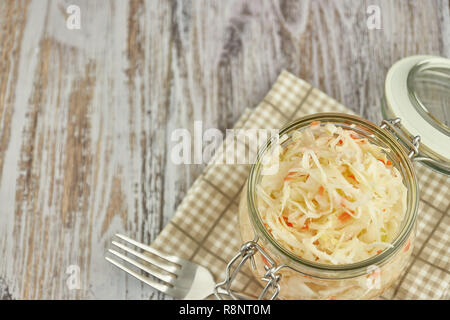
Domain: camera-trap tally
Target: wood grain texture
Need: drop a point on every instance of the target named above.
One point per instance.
(86, 115)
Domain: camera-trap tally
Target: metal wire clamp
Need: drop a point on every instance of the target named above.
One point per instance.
(247, 252)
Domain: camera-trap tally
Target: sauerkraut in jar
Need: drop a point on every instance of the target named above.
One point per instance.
(338, 212)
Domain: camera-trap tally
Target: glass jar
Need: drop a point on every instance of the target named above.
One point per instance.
(304, 279)
(406, 102)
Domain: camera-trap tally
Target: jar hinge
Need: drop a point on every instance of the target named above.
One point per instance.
(412, 143)
(247, 252)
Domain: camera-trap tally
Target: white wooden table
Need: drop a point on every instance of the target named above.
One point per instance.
(86, 114)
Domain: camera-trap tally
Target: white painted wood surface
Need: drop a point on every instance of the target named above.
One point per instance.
(86, 115)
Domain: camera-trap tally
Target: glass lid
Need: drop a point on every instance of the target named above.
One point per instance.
(429, 88)
(417, 90)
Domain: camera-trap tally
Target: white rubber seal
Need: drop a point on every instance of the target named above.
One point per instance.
(398, 102)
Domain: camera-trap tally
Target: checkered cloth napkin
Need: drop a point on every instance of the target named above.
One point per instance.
(205, 226)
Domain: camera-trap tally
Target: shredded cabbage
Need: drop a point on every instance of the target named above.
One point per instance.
(335, 199)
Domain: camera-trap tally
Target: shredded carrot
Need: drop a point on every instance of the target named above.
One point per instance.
(344, 206)
(379, 251)
(291, 176)
(374, 274)
(353, 178)
(407, 246)
(344, 216)
(306, 225)
(340, 142)
(387, 163)
(354, 136)
(321, 190)
(315, 123)
(265, 260)
(287, 221)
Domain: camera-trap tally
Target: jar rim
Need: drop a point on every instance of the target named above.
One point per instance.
(439, 68)
(344, 270)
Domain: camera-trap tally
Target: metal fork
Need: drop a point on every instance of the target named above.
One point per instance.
(179, 278)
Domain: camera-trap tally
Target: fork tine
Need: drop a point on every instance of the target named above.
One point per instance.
(149, 249)
(164, 277)
(156, 285)
(165, 266)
